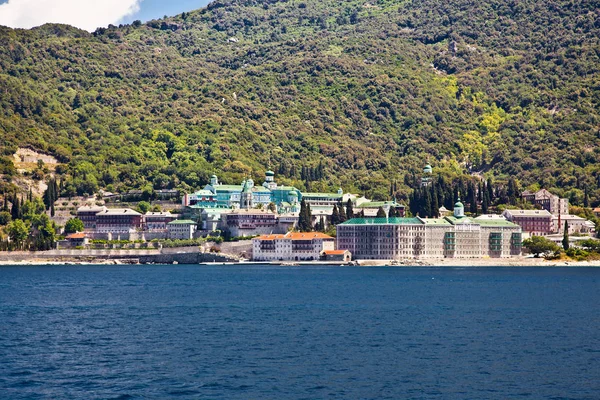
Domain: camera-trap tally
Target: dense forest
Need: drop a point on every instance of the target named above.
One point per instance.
(328, 93)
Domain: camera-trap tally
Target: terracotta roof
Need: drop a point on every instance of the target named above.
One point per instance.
(78, 235)
(270, 237)
(296, 236)
(306, 235)
(334, 252)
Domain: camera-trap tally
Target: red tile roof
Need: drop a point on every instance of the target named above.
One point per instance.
(78, 235)
(334, 252)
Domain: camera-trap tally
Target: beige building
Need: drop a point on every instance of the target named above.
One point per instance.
(450, 237)
(548, 201)
(182, 229)
(293, 246)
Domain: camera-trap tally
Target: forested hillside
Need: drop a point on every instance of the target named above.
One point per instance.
(371, 90)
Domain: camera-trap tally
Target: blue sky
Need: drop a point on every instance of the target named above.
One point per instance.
(151, 9)
(89, 14)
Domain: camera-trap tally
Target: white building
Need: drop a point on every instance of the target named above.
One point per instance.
(157, 221)
(293, 246)
(576, 224)
(182, 229)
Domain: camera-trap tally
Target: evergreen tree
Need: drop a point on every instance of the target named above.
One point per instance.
(335, 216)
(490, 190)
(586, 199)
(304, 220)
(15, 210)
(392, 213)
(349, 210)
(380, 213)
(513, 191)
(479, 193)
(342, 213)
(485, 202)
(52, 211)
(565, 241)
(427, 205)
(435, 208)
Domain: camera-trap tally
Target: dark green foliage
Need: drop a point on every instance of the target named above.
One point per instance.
(539, 245)
(380, 213)
(305, 219)
(335, 216)
(342, 92)
(349, 210)
(74, 225)
(565, 240)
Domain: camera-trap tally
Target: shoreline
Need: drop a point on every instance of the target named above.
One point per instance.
(435, 263)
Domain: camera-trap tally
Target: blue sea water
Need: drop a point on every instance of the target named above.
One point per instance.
(260, 332)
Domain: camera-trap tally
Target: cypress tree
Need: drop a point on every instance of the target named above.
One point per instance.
(15, 211)
(335, 216)
(565, 241)
(342, 213)
(349, 210)
(435, 207)
(380, 213)
(304, 223)
(392, 213)
(490, 190)
(427, 205)
(485, 203)
(52, 210)
(586, 199)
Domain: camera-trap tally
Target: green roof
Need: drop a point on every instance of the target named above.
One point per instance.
(384, 221)
(182, 222)
(228, 188)
(436, 221)
(286, 188)
(270, 173)
(377, 204)
(481, 222)
(330, 195)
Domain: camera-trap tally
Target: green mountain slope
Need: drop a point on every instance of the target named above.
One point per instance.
(370, 90)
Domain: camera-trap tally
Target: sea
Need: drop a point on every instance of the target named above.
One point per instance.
(322, 332)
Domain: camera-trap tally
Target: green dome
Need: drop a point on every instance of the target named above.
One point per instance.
(458, 204)
(270, 173)
(292, 193)
(214, 176)
(428, 169)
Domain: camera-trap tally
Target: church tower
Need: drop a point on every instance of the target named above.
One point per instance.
(459, 209)
(246, 197)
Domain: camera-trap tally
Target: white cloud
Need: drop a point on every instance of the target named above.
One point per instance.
(84, 14)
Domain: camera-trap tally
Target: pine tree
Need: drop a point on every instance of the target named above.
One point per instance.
(565, 241)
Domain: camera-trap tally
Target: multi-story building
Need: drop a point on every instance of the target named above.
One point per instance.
(548, 201)
(575, 223)
(182, 229)
(293, 246)
(87, 214)
(450, 237)
(250, 222)
(154, 221)
(534, 222)
(118, 220)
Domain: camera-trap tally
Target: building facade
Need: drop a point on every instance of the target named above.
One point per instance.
(87, 215)
(534, 222)
(118, 220)
(547, 201)
(182, 229)
(434, 238)
(293, 246)
(157, 221)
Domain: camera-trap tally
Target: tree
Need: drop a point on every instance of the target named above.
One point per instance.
(304, 221)
(74, 225)
(539, 245)
(335, 216)
(143, 206)
(5, 218)
(349, 210)
(381, 213)
(18, 232)
(565, 240)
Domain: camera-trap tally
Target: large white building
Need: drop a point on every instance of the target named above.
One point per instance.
(293, 246)
(450, 237)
